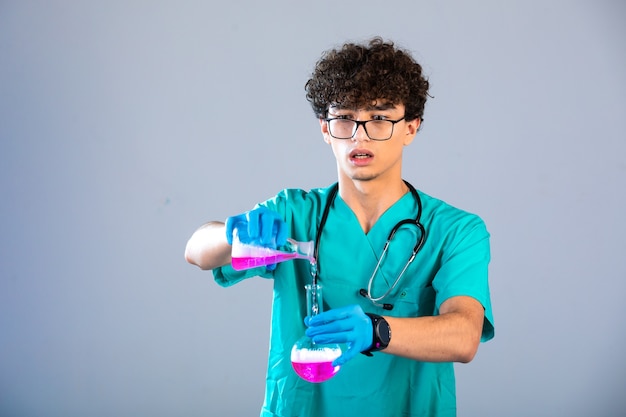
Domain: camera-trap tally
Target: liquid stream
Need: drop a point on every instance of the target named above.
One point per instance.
(311, 362)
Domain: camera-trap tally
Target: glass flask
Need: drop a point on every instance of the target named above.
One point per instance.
(313, 361)
(250, 255)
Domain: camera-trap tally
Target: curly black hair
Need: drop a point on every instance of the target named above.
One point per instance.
(357, 75)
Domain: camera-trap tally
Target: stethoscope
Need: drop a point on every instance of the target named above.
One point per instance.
(367, 293)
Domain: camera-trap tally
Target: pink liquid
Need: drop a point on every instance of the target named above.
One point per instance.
(315, 371)
(253, 262)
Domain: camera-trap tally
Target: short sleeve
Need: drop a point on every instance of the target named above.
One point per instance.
(464, 267)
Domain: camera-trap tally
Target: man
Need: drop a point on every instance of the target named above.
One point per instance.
(412, 318)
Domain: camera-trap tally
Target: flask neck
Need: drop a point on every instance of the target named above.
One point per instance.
(314, 302)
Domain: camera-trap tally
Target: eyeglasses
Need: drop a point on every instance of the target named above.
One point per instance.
(375, 129)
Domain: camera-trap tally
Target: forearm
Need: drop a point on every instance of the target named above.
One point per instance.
(207, 248)
(452, 336)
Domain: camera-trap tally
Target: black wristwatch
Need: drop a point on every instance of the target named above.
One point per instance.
(381, 334)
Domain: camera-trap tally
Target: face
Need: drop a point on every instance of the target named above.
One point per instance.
(363, 159)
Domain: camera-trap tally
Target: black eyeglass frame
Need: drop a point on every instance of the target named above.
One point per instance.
(364, 124)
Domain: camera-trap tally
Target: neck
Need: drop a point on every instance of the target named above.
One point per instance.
(370, 199)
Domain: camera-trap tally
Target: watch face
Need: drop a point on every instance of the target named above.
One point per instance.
(384, 333)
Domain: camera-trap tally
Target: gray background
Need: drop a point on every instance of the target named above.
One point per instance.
(125, 125)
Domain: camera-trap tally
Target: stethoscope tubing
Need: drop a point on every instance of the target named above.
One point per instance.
(418, 245)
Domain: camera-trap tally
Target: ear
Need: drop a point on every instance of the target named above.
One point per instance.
(412, 127)
(324, 129)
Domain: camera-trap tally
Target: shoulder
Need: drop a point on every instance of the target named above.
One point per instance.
(299, 200)
(301, 210)
(447, 218)
(440, 209)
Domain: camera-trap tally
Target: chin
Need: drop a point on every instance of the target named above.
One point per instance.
(362, 177)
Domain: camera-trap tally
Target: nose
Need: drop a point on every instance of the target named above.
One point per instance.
(360, 134)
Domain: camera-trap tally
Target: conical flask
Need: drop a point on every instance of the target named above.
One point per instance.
(250, 255)
(313, 361)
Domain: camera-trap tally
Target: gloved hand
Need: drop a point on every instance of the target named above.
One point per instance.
(259, 226)
(342, 325)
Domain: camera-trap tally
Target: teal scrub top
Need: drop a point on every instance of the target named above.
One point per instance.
(453, 261)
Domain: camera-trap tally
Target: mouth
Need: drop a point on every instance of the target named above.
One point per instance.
(360, 154)
(360, 157)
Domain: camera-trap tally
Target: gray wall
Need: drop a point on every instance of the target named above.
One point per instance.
(124, 125)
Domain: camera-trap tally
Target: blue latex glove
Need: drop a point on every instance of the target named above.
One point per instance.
(342, 325)
(259, 226)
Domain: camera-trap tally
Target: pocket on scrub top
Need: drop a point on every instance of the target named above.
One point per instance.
(415, 302)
